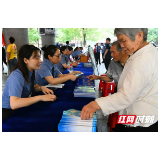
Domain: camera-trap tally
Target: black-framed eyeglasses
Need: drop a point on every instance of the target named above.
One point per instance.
(57, 56)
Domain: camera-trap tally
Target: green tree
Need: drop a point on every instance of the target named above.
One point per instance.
(33, 35)
(94, 34)
(66, 34)
(152, 34)
(82, 34)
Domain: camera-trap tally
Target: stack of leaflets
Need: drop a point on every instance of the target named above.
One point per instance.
(84, 81)
(55, 86)
(84, 88)
(88, 64)
(85, 91)
(78, 74)
(72, 122)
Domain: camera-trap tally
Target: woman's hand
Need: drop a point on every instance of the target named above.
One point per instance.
(48, 97)
(75, 64)
(73, 77)
(89, 109)
(75, 72)
(46, 90)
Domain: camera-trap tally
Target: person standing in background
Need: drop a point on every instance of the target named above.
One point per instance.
(103, 50)
(94, 51)
(107, 54)
(97, 55)
(67, 43)
(11, 53)
(3, 57)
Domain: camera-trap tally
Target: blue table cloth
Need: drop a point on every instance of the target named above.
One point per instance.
(45, 116)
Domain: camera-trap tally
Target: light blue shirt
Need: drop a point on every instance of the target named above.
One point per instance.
(76, 53)
(98, 48)
(64, 60)
(103, 48)
(81, 51)
(68, 57)
(45, 71)
(16, 86)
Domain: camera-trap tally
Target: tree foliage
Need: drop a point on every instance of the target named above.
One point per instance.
(82, 34)
(66, 34)
(152, 34)
(33, 35)
(93, 34)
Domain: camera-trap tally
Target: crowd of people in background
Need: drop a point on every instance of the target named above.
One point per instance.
(105, 51)
(67, 53)
(99, 50)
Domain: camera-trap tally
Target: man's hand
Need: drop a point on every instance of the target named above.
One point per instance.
(93, 77)
(89, 109)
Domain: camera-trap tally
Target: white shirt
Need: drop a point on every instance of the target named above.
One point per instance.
(137, 87)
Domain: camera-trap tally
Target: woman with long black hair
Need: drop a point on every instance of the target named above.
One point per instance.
(20, 84)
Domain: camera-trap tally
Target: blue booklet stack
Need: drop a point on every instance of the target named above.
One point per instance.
(84, 88)
(89, 64)
(72, 122)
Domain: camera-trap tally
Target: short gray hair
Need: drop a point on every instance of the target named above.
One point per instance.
(118, 46)
(145, 33)
(131, 32)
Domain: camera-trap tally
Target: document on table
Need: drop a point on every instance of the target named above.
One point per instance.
(78, 74)
(55, 86)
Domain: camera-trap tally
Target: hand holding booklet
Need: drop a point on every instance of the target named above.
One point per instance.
(78, 74)
(72, 122)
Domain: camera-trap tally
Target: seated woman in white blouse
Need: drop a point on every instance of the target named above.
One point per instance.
(138, 85)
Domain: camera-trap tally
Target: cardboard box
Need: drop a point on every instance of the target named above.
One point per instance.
(84, 59)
